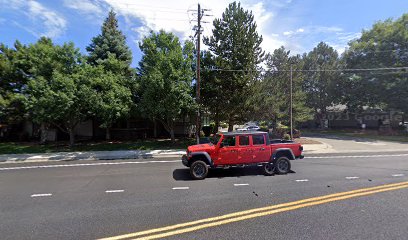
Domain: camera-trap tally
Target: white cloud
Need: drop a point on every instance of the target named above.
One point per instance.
(85, 6)
(46, 21)
(173, 16)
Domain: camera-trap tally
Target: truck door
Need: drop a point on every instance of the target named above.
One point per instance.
(244, 150)
(260, 150)
(228, 153)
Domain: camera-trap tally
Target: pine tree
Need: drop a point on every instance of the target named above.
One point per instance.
(236, 45)
(110, 42)
(109, 50)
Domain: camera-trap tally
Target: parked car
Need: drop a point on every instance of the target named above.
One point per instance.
(249, 128)
(242, 149)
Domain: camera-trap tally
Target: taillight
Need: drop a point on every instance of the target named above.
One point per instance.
(301, 148)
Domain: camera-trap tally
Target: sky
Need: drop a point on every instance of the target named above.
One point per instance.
(299, 25)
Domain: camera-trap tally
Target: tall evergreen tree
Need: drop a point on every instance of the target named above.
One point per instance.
(235, 44)
(321, 86)
(110, 41)
(271, 96)
(109, 49)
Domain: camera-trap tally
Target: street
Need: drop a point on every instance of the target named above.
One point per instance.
(98, 199)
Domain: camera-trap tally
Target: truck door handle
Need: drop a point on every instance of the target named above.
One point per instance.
(262, 148)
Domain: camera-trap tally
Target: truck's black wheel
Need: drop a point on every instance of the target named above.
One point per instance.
(268, 169)
(198, 170)
(282, 165)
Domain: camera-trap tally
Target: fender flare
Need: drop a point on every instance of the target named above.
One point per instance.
(206, 156)
(287, 152)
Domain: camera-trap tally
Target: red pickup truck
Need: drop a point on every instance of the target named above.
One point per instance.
(240, 149)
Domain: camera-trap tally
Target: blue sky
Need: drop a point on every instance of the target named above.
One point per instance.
(297, 24)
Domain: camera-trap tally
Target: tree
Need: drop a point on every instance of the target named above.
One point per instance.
(211, 89)
(59, 86)
(113, 97)
(109, 50)
(235, 44)
(111, 41)
(12, 82)
(383, 46)
(321, 86)
(165, 78)
(271, 95)
(64, 100)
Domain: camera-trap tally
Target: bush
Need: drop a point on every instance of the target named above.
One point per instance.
(286, 136)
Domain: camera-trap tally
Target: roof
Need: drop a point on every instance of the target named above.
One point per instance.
(241, 133)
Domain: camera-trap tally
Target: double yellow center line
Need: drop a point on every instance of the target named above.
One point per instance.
(254, 213)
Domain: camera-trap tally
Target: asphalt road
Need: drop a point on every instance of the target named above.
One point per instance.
(97, 199)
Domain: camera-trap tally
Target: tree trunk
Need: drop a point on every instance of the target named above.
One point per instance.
(217, 125)
(154, 128)
(230, 126)
(173, 140)
(108, 133)
(43, 133)
(71, 137)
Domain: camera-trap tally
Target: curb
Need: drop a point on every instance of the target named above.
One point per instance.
(83, 156)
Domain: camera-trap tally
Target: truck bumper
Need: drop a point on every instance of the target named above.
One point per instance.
(184, 160)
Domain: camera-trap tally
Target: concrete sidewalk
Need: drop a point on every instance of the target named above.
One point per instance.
(96, 155)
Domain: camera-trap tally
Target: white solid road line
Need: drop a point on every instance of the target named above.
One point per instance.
(398, 175)
(302, 180)
(349, 178)
(84, 164)
(115, 191)
(169, 161)
(180, 188)
(241, 184)
(41, 195)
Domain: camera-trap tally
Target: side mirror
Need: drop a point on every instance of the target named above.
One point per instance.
(221, 145)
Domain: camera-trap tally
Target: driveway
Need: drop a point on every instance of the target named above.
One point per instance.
(333, 144)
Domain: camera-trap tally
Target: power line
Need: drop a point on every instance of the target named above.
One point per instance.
(309, 70)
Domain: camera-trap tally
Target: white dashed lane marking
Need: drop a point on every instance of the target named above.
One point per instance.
(115, 191)
(41, 195)
(241, 184)
(180, 188)
(350, 178)
(398, 175)
(302, 180)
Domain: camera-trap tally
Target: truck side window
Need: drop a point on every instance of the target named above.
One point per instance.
(229, 141)
(258, 139)
(243, 140)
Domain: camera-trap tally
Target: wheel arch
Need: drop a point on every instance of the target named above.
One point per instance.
(203, 156)
(283, 152)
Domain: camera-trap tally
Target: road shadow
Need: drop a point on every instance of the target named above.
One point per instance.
(184, 174)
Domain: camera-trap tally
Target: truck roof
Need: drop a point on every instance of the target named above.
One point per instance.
(241, 133)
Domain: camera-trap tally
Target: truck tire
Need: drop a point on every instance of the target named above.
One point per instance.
(282, 165)
(198, 170)
(268, 169)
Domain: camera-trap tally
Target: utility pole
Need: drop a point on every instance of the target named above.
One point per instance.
(198, 123)
(291, 102)
(198, 30)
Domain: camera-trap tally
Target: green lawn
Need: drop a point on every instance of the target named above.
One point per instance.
(370, 134)
(32, 147)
